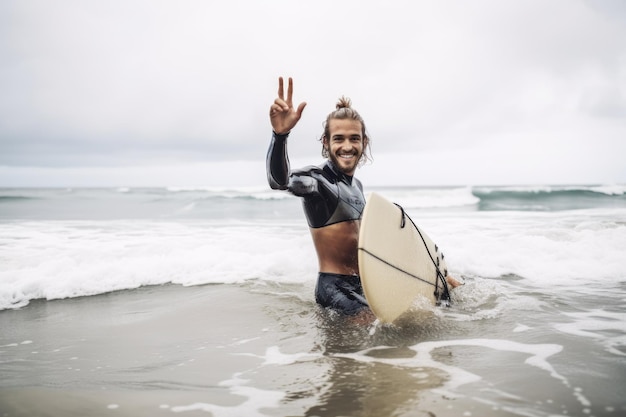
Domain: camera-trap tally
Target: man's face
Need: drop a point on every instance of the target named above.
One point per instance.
(345, 144)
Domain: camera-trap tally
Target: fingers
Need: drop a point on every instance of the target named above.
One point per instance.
(301, 108)
(280, 88)
(282, 105)
(290, 92)
(275, 109)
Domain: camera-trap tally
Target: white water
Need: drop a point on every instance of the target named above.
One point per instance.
(58, 259)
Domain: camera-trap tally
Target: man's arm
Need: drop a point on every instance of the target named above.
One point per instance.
(279, 174)
(278, 163)
(283, 118)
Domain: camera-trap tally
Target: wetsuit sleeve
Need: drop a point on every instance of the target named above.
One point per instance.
(278, 163)
(279, 175)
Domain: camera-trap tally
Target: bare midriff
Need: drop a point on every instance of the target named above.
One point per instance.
(336, 247)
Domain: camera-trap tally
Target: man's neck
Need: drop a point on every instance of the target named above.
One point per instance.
(339, 173)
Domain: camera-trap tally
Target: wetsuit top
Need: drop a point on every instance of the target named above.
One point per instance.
(329, 196)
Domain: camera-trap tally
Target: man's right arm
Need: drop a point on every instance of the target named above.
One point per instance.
(278, 162)
(283, 117)
(279, 174)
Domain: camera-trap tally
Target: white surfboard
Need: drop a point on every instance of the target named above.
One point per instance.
(398, 262)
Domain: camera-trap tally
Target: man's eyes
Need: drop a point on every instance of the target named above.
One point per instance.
(352, 138)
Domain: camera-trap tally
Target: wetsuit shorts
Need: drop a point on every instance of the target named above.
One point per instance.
(343, 293)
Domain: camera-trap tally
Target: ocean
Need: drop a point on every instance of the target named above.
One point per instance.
(199, 301)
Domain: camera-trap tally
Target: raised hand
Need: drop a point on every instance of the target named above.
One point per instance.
(283, 116)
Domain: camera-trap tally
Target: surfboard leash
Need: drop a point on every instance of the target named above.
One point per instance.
(446, 292)
(373, 255)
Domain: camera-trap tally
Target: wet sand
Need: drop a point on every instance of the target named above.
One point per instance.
(262, 349)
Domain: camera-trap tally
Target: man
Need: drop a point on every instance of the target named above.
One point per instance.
(333, 199)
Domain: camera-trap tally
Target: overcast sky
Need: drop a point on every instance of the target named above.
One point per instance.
(149, 93)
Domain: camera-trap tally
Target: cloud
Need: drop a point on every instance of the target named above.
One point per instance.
(142, 83)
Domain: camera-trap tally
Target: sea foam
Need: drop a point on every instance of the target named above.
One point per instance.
(63, 259)
(69, 259)
(59, 243)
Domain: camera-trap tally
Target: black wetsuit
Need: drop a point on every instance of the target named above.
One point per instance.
(329, 197)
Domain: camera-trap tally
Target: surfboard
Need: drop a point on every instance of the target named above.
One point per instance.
(398, 262)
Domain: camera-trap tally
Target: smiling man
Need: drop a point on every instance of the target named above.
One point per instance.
(332, 198)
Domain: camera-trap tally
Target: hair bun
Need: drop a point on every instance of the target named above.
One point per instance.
(344, 103)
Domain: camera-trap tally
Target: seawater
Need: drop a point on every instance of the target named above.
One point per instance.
(57, 243)
(543, 266)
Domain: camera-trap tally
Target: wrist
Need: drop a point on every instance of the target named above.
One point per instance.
(281, 135)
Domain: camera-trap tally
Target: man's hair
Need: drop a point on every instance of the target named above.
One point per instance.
(345, 111)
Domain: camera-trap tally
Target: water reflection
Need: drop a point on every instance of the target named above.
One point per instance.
(356, 387)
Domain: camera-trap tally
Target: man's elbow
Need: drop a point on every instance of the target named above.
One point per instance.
(278, 187)
(275, 185)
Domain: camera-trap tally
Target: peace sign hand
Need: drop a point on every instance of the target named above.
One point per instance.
(282, 114)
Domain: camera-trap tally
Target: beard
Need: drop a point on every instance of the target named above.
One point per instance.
(347, 166)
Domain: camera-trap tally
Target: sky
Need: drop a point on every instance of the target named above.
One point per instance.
(177, 93)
